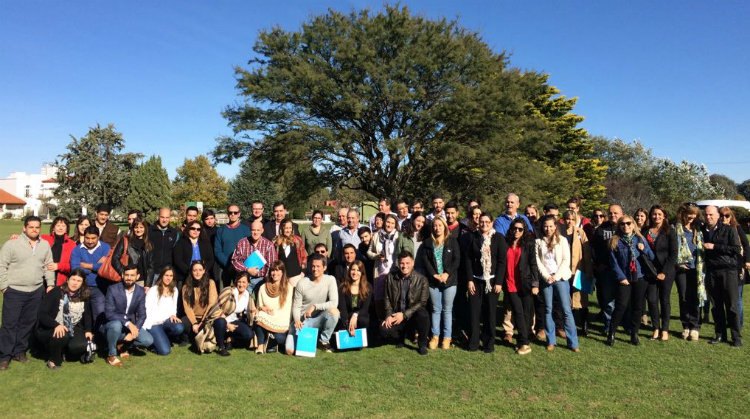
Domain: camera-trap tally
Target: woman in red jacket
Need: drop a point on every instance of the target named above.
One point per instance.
(62, 246)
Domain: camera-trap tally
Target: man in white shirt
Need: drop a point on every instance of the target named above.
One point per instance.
(125, 309)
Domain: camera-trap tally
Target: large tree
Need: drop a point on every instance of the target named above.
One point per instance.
(727, 185)
(198, 180)
(399, 105)
(253, 183)
(94, 170)
(150, 189)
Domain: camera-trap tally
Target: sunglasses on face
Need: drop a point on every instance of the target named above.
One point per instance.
(518, 229)
(726, 216)
(626, 223)
(195, 229)
(598, 215)
(233, 212)
(321, 252)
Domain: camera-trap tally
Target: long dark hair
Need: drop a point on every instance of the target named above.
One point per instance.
(77, 236)
(364, 287)
(411, 227)
(664, 224)
(131, 233)
(525, 237)
(83, 293)
(201, 236)
(283, 282)
(204, 285)
(168, 288)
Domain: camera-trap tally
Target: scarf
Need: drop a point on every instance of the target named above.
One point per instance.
(684, 257)
(486, 259)
(57, 247)
(630, 242)
(67, 318)
(386, 240)
(272, 289)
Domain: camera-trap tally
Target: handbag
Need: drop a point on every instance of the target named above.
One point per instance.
(107, 271)
(647, 266)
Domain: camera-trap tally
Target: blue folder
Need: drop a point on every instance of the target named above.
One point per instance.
(307, 341)
(346, 341)
(255, 260)
(580, 282)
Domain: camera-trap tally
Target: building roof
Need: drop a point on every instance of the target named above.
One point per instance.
(50, 180)
(8, 198)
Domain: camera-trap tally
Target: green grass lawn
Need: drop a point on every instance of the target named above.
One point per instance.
(658, 379)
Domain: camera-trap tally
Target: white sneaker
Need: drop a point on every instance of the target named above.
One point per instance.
(695, 335)
(685, 334)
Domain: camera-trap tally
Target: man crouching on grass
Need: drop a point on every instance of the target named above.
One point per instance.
(126, 313)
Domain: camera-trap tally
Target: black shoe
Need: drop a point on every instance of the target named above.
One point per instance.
(223, 352)
(229, 346)
(611, 339)
(422, 350)
(717, 339)
(21, 358)
(400, 345)
(585, 325)
(326, 347)
(737, 342)
(489, 350)
(634, 339)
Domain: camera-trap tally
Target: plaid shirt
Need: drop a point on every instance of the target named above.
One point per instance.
(245, 248)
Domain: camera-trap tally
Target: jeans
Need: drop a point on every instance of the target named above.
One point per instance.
(163, 334)
(442, 306)
(97, 299)
(323, 321)
(608, 285)
(261, 334)
(20, 311)
(419, 321)
(115, 334)
(242, 333)
(561, 290)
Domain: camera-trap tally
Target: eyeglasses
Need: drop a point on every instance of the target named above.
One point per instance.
(517, 229)
(195, 229)
(598, 215)
(233, 212)
(626, 223)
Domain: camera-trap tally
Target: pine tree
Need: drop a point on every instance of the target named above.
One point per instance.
(150, 189)
(252, 184)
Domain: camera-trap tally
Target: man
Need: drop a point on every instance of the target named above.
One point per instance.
(89, 257)
(574, 204)
(23, 277)
(473, 203)
(451, 218)
(246, 246)
(402, 214)
(437, 207)
(606, 284)
(348, 235)
(502, 223)
(257, 208)
(341, 222)
(552, 209)
(315, 304)
(723, 250)
(227, 237)
(191, 214)
(417, 206)
(126, 313)
(350, 256)
(384, 206)
(163, 237)
(271, 228)
(108, 231)
(406, 294)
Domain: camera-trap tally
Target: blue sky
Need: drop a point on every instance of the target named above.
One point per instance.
(671, 74)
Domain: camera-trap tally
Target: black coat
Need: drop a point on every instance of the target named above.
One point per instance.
(451, 261)
(183, 252)
(473, 257)
(163, 242)
(727, 247)
(143, 258)
(269, 230)
(665, 252)
(51, 306)
(347, 309)
(527, 269)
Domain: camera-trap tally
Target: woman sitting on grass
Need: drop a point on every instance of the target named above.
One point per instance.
(274, 307)
(198, 295)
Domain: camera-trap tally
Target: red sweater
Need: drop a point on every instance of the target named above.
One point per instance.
(63, 265)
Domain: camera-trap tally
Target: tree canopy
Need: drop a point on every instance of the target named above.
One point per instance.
(150, 189)
(197, 180)
(94, 170)
(398, 105)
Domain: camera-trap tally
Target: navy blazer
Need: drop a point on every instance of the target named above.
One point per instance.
(117, 301)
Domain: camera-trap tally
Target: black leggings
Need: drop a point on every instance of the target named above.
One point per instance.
(522, 306)
(658, 297)
(74, 346)
(482, 309)
(633, 294)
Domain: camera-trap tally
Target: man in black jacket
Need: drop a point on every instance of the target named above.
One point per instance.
(271, 228)
(163, 238)
(723, 249)
(406, 294)
(606, 285)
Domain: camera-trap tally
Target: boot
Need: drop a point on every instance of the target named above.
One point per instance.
(611, 338)
(434, 342)
(634, 340)
(585, 321)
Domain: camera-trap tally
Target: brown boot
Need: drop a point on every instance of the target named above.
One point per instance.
(446, 343)
(434, 342)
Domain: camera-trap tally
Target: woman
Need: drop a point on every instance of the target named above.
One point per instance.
(743, 263)
(663, 243)
(161, 312)
(82, 223)
(274, 307)
(354, 299)
(641, 217)
(139, 250)
(378, 222)
(598, 218)
(553, 262)
(626, 248)
(473, 218)
(234, 327)
(62, 246)
(192, 246)
(485, 262)
(316, 234)
(531, 213)
(580, 261)
(690, 274)
(441, 257)
(382, 253)
(198, 295)
(65, 320)
(291, 251)
(411, 238)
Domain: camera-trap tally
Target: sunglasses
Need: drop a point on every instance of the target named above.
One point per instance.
(726, 216)
(598, 215)
(321, 252)
(626, 223)
(515, 229)
(195, 229)
(233, 212)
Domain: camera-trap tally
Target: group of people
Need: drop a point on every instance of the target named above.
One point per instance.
(430, 277)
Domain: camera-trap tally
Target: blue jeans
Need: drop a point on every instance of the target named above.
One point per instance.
(324, 321)
(98, 301)
(115, 334)
(608, 285)
(162, 334)
(561, 290)
(261, 334)
(442, 306)
(241, 333)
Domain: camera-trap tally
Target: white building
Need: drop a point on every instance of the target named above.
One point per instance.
(34, 189)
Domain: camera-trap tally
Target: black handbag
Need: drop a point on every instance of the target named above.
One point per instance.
(647, 266)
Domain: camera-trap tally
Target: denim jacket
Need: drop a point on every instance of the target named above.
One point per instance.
(620, 259)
